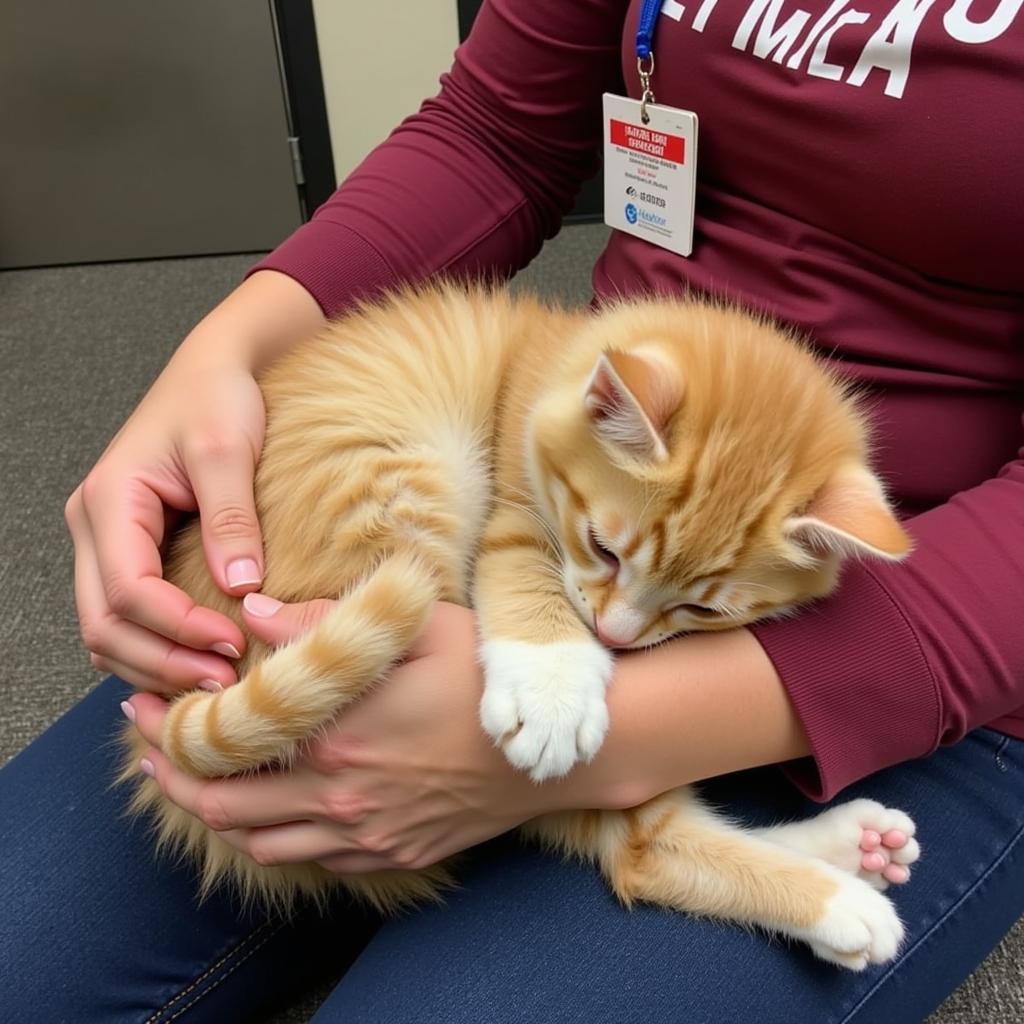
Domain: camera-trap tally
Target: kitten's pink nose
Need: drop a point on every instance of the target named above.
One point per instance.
(616, 631)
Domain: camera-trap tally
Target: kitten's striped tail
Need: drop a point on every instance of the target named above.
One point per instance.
(281, 701)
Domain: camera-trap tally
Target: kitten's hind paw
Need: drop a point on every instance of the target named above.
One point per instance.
(544, 704)
(859, 926)
(862, 837)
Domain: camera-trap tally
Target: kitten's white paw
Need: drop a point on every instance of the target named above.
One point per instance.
(858, 927)
(862, 837)
(545, 703)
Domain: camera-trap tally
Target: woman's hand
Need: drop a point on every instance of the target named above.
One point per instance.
(407, 776)
(403, 779)
(191, 445)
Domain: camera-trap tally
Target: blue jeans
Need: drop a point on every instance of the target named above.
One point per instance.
(94, 929)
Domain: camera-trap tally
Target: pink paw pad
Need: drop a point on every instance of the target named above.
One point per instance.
(869, 840)
(895, 839)
(883, 852)
(873, 862)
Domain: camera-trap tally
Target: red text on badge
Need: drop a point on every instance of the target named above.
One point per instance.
(644, 140)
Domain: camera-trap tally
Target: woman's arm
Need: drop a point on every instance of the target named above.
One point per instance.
(699, 706)
(265, 316)
(903, 658)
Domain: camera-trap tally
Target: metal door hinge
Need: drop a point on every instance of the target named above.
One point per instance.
(293, 146)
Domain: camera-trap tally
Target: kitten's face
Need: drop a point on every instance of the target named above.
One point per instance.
(640, 566)
(677, 513)
(637, 577)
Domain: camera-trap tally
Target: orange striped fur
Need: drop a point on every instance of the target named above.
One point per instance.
(474, 447)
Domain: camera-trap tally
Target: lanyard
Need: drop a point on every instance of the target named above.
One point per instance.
(649, 11)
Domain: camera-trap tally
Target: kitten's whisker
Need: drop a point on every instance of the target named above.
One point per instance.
(647, 504)
(517, 490)
(764, 587)
(536, 517)
(730, 613)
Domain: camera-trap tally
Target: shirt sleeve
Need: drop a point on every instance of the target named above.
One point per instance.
(905, 657)
(476, 180)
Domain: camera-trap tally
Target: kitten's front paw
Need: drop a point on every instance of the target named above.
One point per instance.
(544, 704)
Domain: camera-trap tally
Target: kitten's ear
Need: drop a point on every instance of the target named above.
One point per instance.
(850, 515)
(630, 398)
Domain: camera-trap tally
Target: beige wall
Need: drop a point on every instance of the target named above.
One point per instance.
(379, 62)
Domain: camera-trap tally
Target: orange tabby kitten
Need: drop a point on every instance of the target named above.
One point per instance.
(588, 481)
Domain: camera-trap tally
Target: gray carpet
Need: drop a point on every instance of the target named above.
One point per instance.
(78, 348)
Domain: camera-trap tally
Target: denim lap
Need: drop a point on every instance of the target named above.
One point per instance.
(95, 929)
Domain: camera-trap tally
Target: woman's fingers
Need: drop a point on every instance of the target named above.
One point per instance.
(299, 842)
(357, 862)
(238, 805)
(130, 674)
(138, 655)
(275, 623)
(118, 531)
(126, 523)
(221, 468)
(269, 798)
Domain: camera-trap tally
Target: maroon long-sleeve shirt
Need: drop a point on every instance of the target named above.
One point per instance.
(858, 178)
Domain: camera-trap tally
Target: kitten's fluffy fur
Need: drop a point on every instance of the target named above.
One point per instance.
(659, 467)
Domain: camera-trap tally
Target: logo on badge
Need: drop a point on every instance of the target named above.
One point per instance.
(631, 213)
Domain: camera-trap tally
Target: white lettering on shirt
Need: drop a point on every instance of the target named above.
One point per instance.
(675, 10)
(796, 58)
(818, 66)
(701, 18)
(961, 28)
(771, 41)
(889, 48)
(766, 31)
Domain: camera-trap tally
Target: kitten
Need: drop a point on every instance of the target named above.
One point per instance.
(587, 481)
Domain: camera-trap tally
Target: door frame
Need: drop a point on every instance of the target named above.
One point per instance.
(302, 81)
(299, 54)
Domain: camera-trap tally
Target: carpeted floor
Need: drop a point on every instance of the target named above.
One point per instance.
(78, 348)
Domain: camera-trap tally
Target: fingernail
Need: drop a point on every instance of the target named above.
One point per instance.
(242, 572)
(147, 766)
(260, 605)
(210, 684)
(129, 711)
(228, 650)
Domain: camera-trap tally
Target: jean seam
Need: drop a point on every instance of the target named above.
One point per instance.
(1004, 855)
(227, 974)
(234, 951)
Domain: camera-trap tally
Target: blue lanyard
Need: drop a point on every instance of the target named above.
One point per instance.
(649, 11)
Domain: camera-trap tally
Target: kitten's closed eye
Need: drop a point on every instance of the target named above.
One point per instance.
(603, 553)
(699, 611)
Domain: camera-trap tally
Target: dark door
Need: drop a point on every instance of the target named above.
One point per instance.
(132, 130)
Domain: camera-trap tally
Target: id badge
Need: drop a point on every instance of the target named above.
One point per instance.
(650, 172)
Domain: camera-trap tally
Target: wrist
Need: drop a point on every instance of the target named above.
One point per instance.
(261, 320)
(700, 706)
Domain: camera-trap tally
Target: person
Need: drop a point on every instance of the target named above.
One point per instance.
(844, 188)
